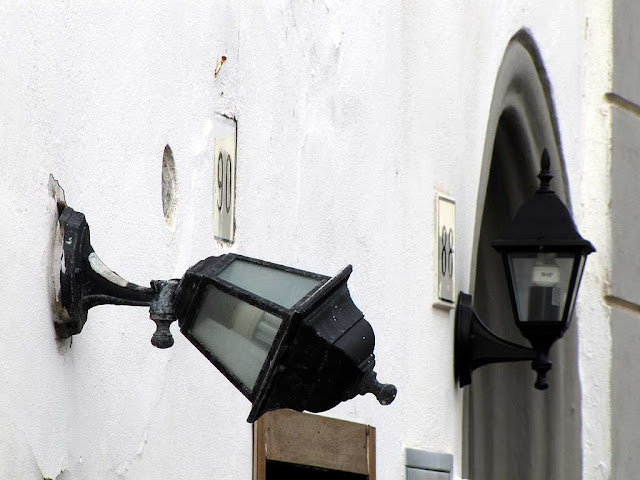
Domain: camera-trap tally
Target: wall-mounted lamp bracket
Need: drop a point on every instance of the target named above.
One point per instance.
(286, 338)
(476, 345)
(86, 282)
(544, 256)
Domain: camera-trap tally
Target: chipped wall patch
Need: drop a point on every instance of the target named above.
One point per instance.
(57, 253)
(169, 187)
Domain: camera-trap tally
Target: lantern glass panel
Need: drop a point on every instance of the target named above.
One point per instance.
(576, 285)
(235, 333)
(284, 288)
(540, 284)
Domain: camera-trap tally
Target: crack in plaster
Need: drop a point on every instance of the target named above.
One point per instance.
(122, 470)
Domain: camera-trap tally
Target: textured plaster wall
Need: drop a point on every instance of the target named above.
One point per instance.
(350, 115)
(592, 211)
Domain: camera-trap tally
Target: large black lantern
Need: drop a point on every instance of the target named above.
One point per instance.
(544, 257)
(286, 338)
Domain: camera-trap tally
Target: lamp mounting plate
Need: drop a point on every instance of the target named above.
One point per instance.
(73, 240)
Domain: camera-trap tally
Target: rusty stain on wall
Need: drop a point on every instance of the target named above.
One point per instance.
(222, 60)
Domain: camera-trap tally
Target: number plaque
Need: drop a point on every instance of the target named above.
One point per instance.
(224, 179)
(446, 249)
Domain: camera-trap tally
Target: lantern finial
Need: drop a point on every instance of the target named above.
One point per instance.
(545, 173)
(384, 392)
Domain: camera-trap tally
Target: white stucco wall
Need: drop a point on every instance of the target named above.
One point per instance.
(350, 115)
(592, 210)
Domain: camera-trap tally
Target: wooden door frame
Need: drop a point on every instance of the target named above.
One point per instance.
(313, 440)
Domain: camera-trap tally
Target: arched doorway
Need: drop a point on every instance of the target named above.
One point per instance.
(515, 431)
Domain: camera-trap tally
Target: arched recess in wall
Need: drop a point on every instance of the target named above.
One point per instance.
(513, 430)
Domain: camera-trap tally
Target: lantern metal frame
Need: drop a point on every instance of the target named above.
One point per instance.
(282, 361)
(203, 275)
(542, 225)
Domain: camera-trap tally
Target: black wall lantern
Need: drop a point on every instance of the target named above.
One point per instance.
(544, 257)
(285, 338)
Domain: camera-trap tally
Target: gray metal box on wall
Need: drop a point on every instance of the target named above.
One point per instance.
(422, 465)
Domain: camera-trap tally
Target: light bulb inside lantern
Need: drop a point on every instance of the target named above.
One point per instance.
(546, 272)
(545, 296)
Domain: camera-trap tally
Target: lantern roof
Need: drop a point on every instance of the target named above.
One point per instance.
(543, 220)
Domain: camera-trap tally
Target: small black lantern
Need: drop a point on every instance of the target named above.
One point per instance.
(286, 338)
(544, 257)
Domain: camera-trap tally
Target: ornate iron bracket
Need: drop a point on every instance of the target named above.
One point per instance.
(86, 282)
(476, 345)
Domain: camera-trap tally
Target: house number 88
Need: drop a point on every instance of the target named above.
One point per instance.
(446, 254)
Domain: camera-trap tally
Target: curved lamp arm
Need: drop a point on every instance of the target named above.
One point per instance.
(476, 345)
(85, 282)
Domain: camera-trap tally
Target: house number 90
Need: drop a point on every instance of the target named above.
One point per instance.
(224, 181)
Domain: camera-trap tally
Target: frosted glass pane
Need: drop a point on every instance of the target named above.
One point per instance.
(540, 282)
(237, 334)
(277, 286)
(577, 285)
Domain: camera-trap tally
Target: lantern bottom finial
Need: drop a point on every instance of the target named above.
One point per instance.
(385, 392)
(542, 365)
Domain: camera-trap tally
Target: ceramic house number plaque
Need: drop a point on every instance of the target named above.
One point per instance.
(446, 250)
(224, 179)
